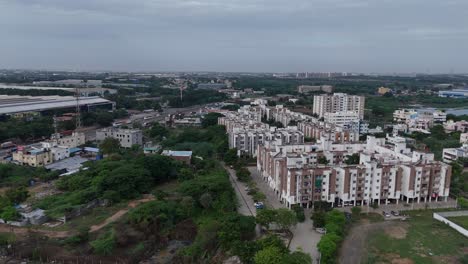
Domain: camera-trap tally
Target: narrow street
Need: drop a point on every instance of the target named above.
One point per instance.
(305, 238)
(245, 201)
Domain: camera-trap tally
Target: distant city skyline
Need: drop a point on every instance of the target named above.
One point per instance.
(275, 36)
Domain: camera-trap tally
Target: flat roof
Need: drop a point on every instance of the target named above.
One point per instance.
(177, 153)
(70, 164)
(15, 104)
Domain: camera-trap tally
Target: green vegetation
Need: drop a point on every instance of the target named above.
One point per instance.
(114, 180)
(105, 244)
(26, 128)
(208, 142)
(335, 223)
(460, 220)
(459, 182)
(12, 175)
(299, 210)
(418, 244)
(283, 218)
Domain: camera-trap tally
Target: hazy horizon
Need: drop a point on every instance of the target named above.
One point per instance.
(360, 36)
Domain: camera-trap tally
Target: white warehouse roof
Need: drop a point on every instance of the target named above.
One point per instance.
(10, 104)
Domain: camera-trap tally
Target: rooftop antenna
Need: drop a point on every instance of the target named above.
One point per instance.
(78, 110)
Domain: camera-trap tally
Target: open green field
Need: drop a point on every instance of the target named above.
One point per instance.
(460, 220)
(420, 240)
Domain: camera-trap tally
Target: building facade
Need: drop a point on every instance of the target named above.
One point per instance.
(387, 172)
(338, 102)
(126, 137)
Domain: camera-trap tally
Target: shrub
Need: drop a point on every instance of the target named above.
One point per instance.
(105, 244)
(299, 210)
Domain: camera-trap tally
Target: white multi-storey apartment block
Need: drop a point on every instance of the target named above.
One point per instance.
(387, 172)
(338, 102)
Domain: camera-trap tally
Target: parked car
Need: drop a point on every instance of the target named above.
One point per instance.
(321, 230)
(259, 205)
(395, 213)
(386, 214)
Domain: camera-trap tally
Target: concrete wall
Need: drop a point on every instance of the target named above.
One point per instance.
(442, 218)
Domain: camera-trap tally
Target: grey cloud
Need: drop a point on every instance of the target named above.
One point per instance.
(235, 35)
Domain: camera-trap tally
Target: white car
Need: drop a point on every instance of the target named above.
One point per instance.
(321, 230)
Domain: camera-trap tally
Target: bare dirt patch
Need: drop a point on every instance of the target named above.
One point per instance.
(398, 232)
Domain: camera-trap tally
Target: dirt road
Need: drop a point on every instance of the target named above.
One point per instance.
(25, 231)
(120, 213)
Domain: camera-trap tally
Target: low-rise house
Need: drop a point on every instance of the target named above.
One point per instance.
(183, 156)
(126, 137)
(34, 156)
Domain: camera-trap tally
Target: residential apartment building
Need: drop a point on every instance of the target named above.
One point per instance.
(34, 156)
(126, 137)
(452, 126)
(72, 141)
(453, 154)
(387, 172)
(319, 130)
(420, 121)
(303, 89)
(338, 102)
(464, 138)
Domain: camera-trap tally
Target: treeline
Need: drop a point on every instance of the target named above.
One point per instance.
(26, 129)
(35, 92)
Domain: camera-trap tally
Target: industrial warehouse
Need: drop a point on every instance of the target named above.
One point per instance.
(11, 104)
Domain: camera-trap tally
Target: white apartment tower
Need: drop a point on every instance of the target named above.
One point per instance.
(338, 102)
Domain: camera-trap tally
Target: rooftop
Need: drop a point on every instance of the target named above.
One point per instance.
(15, 104)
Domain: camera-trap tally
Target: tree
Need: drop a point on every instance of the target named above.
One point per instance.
(210, 119)
(109, 145)
(328, 246)
(285, 218)
(265, 217)
(231, 156)
(17, 195)
(318, 218)
(104, 119)
(322, 160)
(158, 132)
(105, 244)
(335, 216)
(352, 159)
(206, 200)
(269, 255)
(9, 213)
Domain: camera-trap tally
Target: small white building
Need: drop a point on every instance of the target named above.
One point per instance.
(126, 137)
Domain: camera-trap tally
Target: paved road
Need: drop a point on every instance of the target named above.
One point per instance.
(245, 201)
(304, 236)
(272, 200)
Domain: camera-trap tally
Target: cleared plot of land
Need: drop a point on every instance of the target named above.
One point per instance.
(460, 220)
(420, 240)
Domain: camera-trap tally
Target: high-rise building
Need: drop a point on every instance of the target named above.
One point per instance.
(338, 102)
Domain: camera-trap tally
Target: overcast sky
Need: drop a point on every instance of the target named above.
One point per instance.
(236, 35)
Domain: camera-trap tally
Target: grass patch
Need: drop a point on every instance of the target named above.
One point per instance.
(460, 220)
(426, 239)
